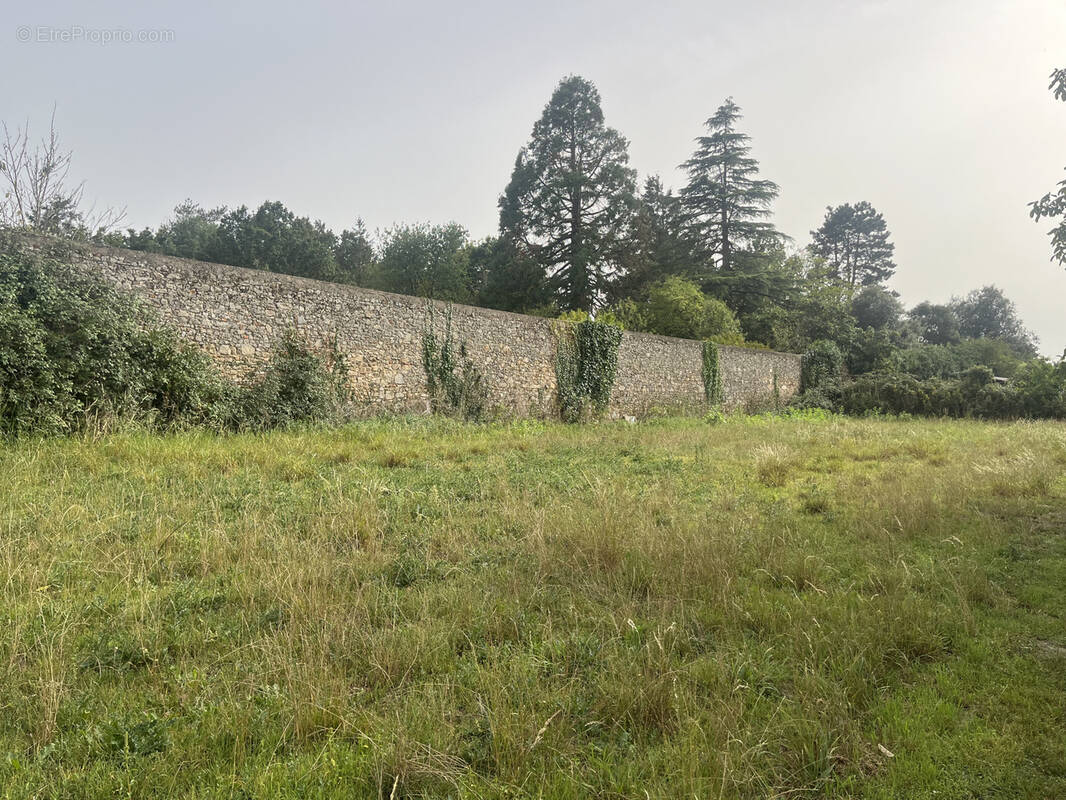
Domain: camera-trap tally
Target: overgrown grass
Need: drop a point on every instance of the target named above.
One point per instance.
(765, 607)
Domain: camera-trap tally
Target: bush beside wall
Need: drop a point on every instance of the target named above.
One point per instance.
(74, 352)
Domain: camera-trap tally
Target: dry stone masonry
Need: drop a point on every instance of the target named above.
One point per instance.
(237, 315)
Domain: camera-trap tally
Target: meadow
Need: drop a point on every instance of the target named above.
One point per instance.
(765, 606)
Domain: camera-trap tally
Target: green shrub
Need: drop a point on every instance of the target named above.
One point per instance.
(1039, 391)
(1041, 388)
(870, 350)
(894, 393)
(677, 307)
(818, 398)
(951, 360)
(72, 348)
(455, 385)
(299, 385)
(927, 361)
(973, 379)
(821, 377)
(823, 364)
(624, 314)
(182, 386)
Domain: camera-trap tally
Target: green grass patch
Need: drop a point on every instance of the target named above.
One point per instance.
(762, 607)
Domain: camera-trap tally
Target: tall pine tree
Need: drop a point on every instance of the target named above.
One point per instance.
(570, 196)
(726, 202)
(853, 239)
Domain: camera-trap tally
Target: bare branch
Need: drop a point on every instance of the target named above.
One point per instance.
(35, 192)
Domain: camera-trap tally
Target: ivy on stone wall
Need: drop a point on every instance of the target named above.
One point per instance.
(712, 374)
(586, 364)
(455, 385)
(567, 370)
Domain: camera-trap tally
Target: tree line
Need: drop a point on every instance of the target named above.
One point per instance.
(577, 236)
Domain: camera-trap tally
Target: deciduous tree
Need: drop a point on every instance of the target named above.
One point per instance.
(1053, 204)
(876, 307)
(36, 193)
(191, 233)
(677, 307)
(275, 239)
(988, 313)
(426, 260)
(936, 324)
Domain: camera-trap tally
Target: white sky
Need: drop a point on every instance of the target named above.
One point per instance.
(936, 112)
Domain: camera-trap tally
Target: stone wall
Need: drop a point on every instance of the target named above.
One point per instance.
(237, 315)
(753, 375)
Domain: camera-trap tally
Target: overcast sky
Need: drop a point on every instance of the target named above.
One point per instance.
(937, 112)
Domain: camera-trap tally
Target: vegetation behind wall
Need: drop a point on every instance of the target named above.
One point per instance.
(1036, 389)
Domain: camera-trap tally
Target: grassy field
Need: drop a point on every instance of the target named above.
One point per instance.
(766, 607)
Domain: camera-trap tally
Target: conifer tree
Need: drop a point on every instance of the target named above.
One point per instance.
(657, 246)
(853, 239)
(570, 196)
(726, 202)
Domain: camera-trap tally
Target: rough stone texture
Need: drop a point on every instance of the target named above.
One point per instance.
(237, 315)
(757, 375)
(657, 371)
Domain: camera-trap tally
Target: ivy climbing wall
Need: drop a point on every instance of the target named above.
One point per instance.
(237, 315)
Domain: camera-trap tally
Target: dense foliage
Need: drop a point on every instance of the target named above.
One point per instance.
(74, 352)
(427, 261)
(677, 307)
(72, 349)
(271, 238)
(570, 196)
(823, 365)
(585, 367)
(1039, 391)
(713, 390)
(934, 380)
(577, 240)
(299, 385)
